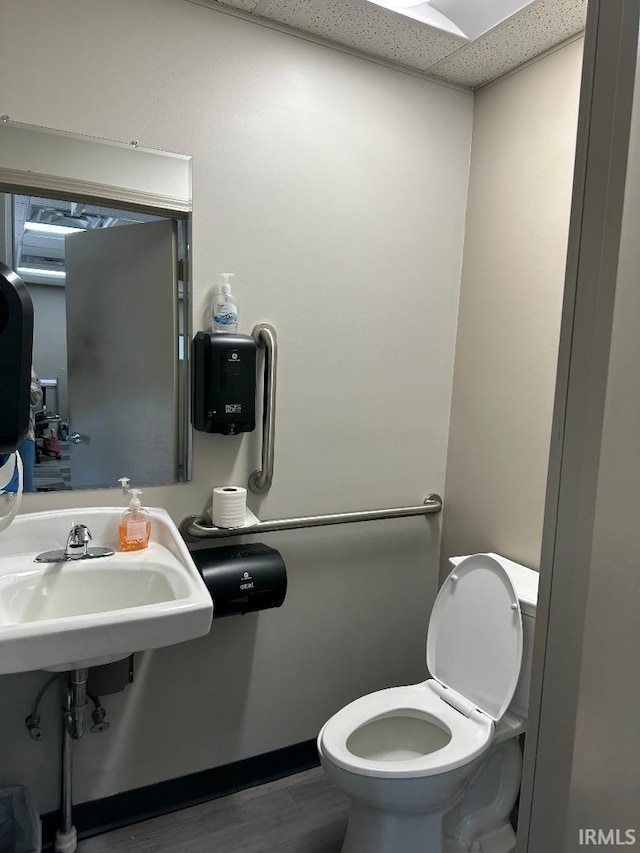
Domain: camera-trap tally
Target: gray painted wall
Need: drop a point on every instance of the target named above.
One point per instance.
(509, 321)
(336, 189)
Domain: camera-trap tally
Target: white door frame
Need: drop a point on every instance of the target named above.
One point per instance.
(608, 77)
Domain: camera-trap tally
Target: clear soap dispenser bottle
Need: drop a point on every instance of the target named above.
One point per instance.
(135, 527)
(224, 316)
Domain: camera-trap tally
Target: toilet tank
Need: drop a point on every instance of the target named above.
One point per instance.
(525, 583)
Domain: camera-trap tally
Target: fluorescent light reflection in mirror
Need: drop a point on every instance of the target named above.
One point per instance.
(35, 271)
(45, 228)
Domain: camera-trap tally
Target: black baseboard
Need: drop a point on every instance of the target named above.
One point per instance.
(99, 816)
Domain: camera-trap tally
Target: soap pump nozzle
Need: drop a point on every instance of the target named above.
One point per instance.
(225, 287)
(134, 503)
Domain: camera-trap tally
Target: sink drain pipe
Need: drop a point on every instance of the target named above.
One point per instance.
(74, 706)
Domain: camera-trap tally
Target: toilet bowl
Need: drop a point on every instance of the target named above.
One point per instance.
(435, 767)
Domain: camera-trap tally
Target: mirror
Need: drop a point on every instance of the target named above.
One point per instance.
(99, 233)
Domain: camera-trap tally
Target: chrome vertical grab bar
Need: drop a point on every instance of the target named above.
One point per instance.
(266, 338)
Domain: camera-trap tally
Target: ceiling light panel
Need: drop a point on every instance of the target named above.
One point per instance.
(426, 13)
(537, 28)
(366, 27)
(465, 18)
(476, 17)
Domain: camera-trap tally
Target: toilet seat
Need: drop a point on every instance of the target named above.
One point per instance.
(474, 640)
(469, 736)
(474, 652)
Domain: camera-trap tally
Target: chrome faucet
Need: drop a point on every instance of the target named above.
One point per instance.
(77, 548)
(79, 537)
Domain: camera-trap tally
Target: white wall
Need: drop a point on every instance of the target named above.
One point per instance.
(335, 188)
(524, 135)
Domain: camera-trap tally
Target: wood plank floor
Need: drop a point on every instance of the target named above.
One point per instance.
(299, 814)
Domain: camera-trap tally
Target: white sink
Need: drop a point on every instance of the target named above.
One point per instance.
(83, 613)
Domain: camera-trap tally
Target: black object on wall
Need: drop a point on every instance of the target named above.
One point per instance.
(16, 343)
(242, 578)
(110, 677)
(223, 383)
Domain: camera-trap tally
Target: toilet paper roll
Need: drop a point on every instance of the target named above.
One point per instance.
(229, 506)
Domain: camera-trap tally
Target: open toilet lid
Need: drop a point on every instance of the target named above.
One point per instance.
(474, 642)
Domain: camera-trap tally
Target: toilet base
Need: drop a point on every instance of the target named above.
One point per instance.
(502, 840)
(372, 830)
(480, 821)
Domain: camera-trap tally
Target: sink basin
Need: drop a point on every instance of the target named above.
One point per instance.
(72, 589)
(83, 613)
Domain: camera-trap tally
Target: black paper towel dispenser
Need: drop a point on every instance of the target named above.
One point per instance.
(16, 339)
(242, 578)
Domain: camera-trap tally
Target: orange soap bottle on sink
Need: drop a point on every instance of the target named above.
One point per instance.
(135, 527)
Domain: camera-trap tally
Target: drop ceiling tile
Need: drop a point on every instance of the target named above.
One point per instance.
(245, 5)
(527, 34)
(365, 27)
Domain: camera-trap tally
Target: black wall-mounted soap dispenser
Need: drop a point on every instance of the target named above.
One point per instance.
(223, 383)
(16, 342)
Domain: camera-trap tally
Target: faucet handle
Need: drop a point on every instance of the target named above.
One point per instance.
(79, 537)
(79, 534)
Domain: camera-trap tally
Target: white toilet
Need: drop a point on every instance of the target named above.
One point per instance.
(435, 767)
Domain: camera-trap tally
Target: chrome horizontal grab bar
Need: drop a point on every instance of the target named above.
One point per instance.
(195, 527)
